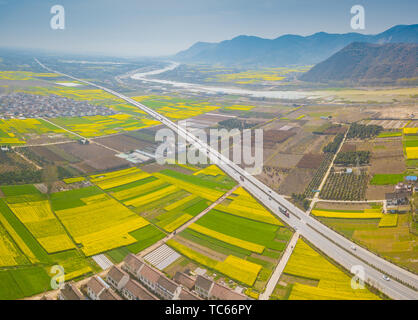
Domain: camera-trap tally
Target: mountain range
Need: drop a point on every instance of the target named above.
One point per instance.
(360, 61)
(287, 50)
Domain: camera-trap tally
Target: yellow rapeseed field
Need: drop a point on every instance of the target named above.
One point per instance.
(212, 170)
(18, 240)
(242, 270)
(412, 152)
(42, 223)
(101, 225)
(200, 191)
(135, 191)
(176, 109)
(24, 75)
(332, 282)
(151, 197)
(366, 214)
(118, 178)
(388, 220)
(244, 205)
(227, 239)
(10, 127)
(177, 223)
(8, 251)
(410, 130)
(179, 203)
(74, 180)
(77, 273)
(236, 268)
(239, 107)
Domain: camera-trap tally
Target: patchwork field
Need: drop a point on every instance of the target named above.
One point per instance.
(239, 269)
(17, 131)
(41, 222)
(239, 238)
(346, 214)
(310, 276)
(390, 236)
(24, 75)
(118, 178)
(30, 234)
(176, 108)
(72, 93)
(168, 198)
(96, 222)
(259, 76)
(95, 126)
(10, 254)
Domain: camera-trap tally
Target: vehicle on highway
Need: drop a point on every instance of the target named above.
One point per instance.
(353, 248)
(284, 211)
(242, 178)
(386, 278)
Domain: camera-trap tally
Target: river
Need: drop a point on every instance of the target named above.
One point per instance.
(196, 88)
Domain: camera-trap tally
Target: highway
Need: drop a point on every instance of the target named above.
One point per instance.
(326, 240)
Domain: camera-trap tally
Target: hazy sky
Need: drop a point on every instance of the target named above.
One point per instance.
(159, 27)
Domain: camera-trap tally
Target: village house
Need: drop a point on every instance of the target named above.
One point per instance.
(156, 281)
(185, 280)
(167, 288)
(109, 294)
(203, 286)
(117, 278)
(403, 187)
(134, 291)
(220, 292)
(98, 289)
(397, 198)
(208, 289)
(70, 292)
(132, 264)
(149, 277)
(186, 295)
(95, 286)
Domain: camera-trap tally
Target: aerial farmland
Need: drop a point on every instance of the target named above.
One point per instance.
(248, 169)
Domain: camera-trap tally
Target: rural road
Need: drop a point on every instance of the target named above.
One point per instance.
(271, 284)
(328, 241)
(316, 195)
(81, 137)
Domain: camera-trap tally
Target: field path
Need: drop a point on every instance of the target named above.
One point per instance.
(188, 223)
(350, 201)
(271, 284)
(28, 160)
(316, 196)
(81, 137)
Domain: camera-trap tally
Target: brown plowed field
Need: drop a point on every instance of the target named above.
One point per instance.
(311, 161)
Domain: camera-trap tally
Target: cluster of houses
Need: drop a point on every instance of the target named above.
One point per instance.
(398, 201)
(136, 280)
(21, 105)
(181, 287)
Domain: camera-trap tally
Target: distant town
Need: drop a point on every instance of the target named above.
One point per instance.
(23, 105)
